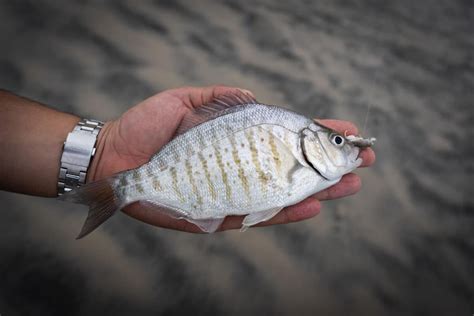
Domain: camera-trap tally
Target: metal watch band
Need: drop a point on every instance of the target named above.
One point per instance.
(79, 148)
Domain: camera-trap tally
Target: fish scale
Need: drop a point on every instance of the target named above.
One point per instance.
(231, 157)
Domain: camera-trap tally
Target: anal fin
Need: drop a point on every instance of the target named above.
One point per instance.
(262, 216)
(207, 225)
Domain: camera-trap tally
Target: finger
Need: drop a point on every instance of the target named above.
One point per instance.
(349, 185)
(197, 96)
(305, 209)
(340, 126)
(368, 157)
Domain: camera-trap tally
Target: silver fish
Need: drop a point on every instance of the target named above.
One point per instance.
(234, 156)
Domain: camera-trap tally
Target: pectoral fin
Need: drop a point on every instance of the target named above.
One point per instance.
(255, 218)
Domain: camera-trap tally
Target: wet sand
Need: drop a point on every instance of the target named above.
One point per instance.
(403, 245)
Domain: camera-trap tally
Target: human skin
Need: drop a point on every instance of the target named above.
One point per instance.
(32, 135)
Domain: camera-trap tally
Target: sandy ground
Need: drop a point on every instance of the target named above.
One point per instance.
(404, 245)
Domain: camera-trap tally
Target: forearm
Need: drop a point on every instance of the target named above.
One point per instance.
(31, 142)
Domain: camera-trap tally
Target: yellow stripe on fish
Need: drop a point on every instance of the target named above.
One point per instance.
(225, 178)
(210, 185)
(255, 161)
(240, 170)
(189, 172)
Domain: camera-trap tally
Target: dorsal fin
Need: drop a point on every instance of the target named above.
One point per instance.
(217, 107)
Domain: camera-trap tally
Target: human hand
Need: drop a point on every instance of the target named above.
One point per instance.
(139, 133)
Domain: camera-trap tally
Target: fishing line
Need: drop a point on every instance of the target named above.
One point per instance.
(366, 118)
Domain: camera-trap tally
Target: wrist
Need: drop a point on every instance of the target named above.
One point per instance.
(94, 171)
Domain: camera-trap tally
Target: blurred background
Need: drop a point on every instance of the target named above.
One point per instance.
(404, 245)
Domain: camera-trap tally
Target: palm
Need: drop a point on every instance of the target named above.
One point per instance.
(140, 132)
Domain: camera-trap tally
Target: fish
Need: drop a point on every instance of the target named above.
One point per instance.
(232, 156)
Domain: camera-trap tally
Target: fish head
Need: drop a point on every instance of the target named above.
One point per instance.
(328, 152)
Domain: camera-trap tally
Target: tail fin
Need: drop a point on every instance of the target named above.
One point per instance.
(102, 201)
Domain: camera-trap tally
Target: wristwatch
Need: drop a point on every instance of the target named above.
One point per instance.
(79, 148)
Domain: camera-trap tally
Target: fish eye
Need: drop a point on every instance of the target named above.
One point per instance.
(337, 140)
